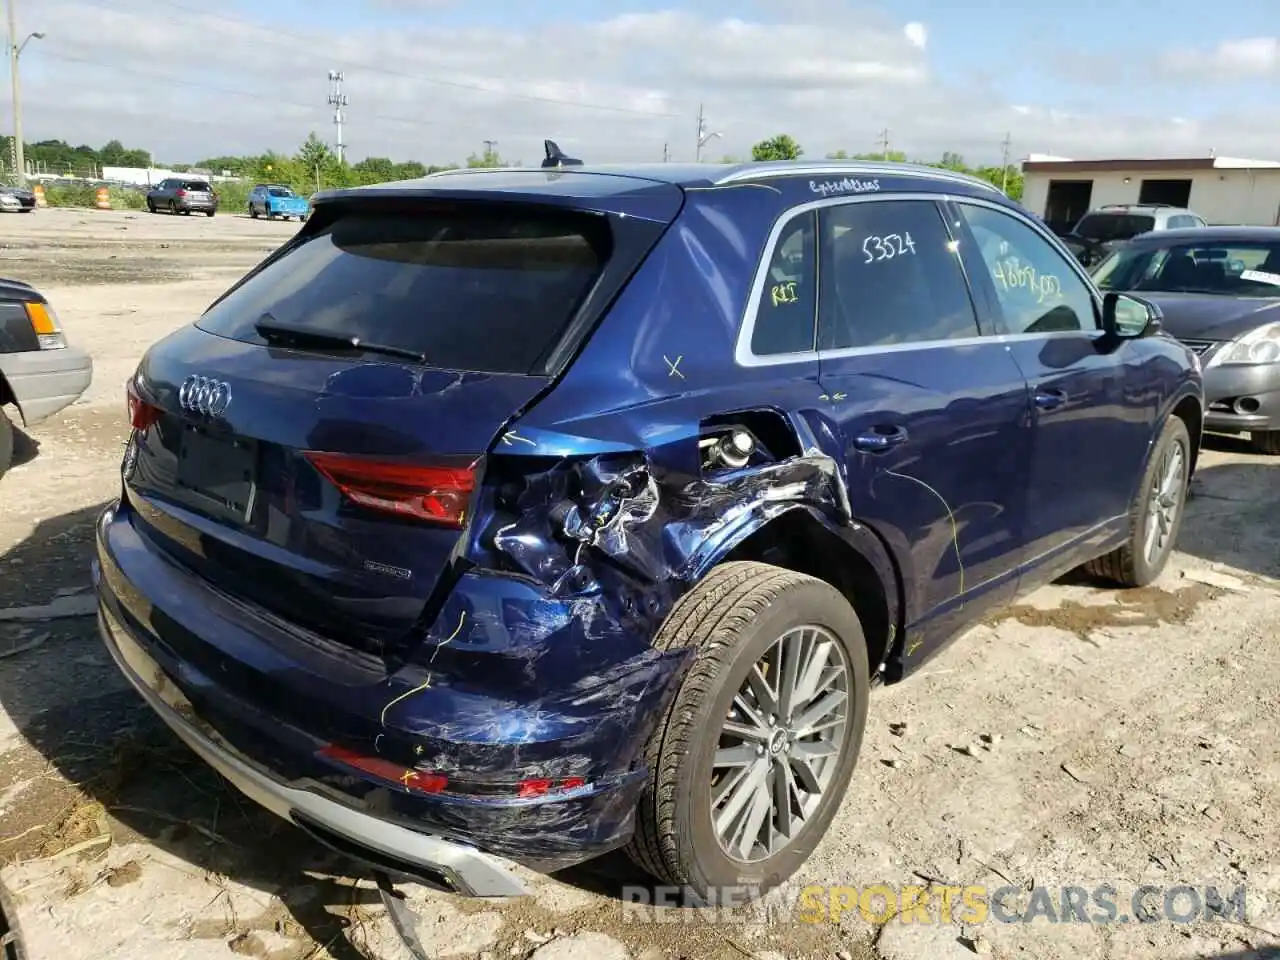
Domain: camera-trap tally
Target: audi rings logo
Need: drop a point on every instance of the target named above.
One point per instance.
(205, 396)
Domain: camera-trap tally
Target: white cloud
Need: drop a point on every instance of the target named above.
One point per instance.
(1230, 60)
(189, 85)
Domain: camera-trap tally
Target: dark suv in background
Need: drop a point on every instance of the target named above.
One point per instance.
(177, 195)
(1100, 231)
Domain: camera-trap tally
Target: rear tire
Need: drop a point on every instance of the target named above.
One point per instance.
(6, 442)
(1266, 442)
(1161, 501)
(738, 619)
(210, 213)
(173, 208)
(253, 212)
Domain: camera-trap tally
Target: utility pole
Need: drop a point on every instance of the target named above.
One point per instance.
(337, 100)
(703, 136)
(15, 51)
(1004, 162)
(666, 154)
(490, 150)
(884, 144)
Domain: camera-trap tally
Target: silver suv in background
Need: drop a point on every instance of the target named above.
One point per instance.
(1099, 231)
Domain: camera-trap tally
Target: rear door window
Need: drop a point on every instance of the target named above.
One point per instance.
(1105, 227)
(470, 287)
(890, 275)
(784, 320)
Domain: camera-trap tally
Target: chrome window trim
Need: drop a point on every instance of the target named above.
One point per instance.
(744, 357)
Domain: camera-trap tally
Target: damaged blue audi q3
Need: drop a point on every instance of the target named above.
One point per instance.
(518, 516)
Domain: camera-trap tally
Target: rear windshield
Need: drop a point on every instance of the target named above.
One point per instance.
(196, 185)
(280, 191)
(1103, 227)
(478, 289)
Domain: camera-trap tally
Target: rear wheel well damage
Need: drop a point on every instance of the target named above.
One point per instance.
(798, 541)
(1188, 411)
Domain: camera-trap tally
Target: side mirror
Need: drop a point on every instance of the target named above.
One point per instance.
(1127, 318)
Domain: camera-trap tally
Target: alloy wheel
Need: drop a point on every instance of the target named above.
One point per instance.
(1165, 501)
(780, 746)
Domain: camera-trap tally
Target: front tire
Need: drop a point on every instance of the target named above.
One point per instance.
(733, 800)
(1265, 442)
(1155, 517)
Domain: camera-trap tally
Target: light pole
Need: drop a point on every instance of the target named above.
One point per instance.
(15, 51)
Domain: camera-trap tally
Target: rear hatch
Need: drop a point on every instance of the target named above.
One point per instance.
(311, 445)
(197, 193)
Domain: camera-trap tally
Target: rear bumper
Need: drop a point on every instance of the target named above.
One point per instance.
(1242, 398)
(260, 706)
(46, 381)
(387, 845)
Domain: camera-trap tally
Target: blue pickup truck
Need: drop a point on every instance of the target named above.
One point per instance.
(273, 200)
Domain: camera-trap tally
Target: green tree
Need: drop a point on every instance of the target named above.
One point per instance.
(489, 158)
(314, 153)
(781, 147)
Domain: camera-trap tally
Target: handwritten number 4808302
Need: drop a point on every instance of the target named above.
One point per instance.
(887, 247)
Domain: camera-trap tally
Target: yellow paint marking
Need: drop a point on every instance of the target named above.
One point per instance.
(425, 686)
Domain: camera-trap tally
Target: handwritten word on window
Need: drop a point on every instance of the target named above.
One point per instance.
(876, 248)
(784, 293)
(1011, 274)
(1261, 276)
(846, 185)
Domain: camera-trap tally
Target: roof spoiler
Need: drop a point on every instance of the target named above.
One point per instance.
(556, 157)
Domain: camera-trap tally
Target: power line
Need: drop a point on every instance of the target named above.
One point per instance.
(274, 36)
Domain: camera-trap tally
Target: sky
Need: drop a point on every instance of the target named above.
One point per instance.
(431, 80)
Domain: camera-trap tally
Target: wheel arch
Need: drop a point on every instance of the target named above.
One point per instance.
(1187, 408)
(850, 558)
(8, 397)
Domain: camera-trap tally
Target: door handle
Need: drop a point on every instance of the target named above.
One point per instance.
(1049, 399)
(880, 439)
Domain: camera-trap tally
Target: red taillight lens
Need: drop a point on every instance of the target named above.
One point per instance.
(541, 788)
(436, 494)
(141, 413)
(413, 781)
(182, 193)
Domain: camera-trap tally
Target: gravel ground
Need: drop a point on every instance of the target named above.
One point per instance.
(1085, 737)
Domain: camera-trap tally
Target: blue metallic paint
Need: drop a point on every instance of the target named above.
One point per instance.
(531, 656)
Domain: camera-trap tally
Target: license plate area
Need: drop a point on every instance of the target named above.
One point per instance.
(219, 472)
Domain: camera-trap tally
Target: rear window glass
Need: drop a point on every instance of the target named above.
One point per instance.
(280, 191)
(196, 185)
(482, 289)
(1103, 227)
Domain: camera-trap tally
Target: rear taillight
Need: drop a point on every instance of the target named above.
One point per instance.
(141, 413)
(45, 325)
(181, 193)
(436, 494)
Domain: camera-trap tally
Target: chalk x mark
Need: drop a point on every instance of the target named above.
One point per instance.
(955, 529)
(511, 435)
(673, 367)
(427, 684)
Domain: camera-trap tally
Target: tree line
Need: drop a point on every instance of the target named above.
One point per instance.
(315, 166)
(784, 147)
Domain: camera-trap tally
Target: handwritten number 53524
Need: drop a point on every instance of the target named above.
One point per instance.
(887, 247)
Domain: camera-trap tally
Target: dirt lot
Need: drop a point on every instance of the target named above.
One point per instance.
(1089, 737)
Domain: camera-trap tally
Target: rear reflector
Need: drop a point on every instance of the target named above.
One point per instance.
(435, 494)
(411, 780)
(141, 414)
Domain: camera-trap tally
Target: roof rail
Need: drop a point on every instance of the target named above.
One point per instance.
(1125, 206)
(791, 168)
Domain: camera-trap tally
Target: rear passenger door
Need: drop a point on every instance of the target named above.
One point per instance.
(1090, 433)
(932, 415)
